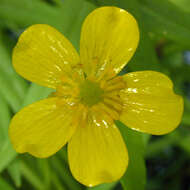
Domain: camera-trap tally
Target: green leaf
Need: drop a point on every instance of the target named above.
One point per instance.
(57, 182)
(18, 84)
(74, 15)
(4, 120)
(186, 119)
(156, 147)
(45, 170)
(62, 169)
(36, 93)
(167, 20)
(8, 92)
(5, 185)
(182, 4)
(13, 87)
(31, 176)
(184, 143)
(14, 171)
(145, 57)
(135, 176)
(7, 154)
(25, 13)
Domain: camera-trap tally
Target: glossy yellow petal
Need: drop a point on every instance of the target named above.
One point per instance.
(97, 154)
(42, 128)
(150, 105)
(43, 55)
(109, 38)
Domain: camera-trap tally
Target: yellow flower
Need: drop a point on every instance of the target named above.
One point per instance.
(89, 96)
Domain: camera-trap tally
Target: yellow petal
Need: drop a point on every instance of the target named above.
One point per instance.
(42, 55)
(109, 38)
(42, 128)
(150, 105)
(97, 154)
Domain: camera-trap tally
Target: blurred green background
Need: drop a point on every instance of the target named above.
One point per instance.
(156, 162)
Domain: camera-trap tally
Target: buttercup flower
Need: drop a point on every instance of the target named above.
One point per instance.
(89, 96)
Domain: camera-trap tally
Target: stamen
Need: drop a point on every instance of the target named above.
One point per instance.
(116, 105)
(106, 74)
(92, 74)
(99, 115)
(114, 87)
(80, 116)
(114, 80)
(114, 114)
(113, 96)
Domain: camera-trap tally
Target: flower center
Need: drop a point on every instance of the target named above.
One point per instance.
(90, 93)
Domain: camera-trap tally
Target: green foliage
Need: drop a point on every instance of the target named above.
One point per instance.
(136, 170)
(5, 185)
(165, 35)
